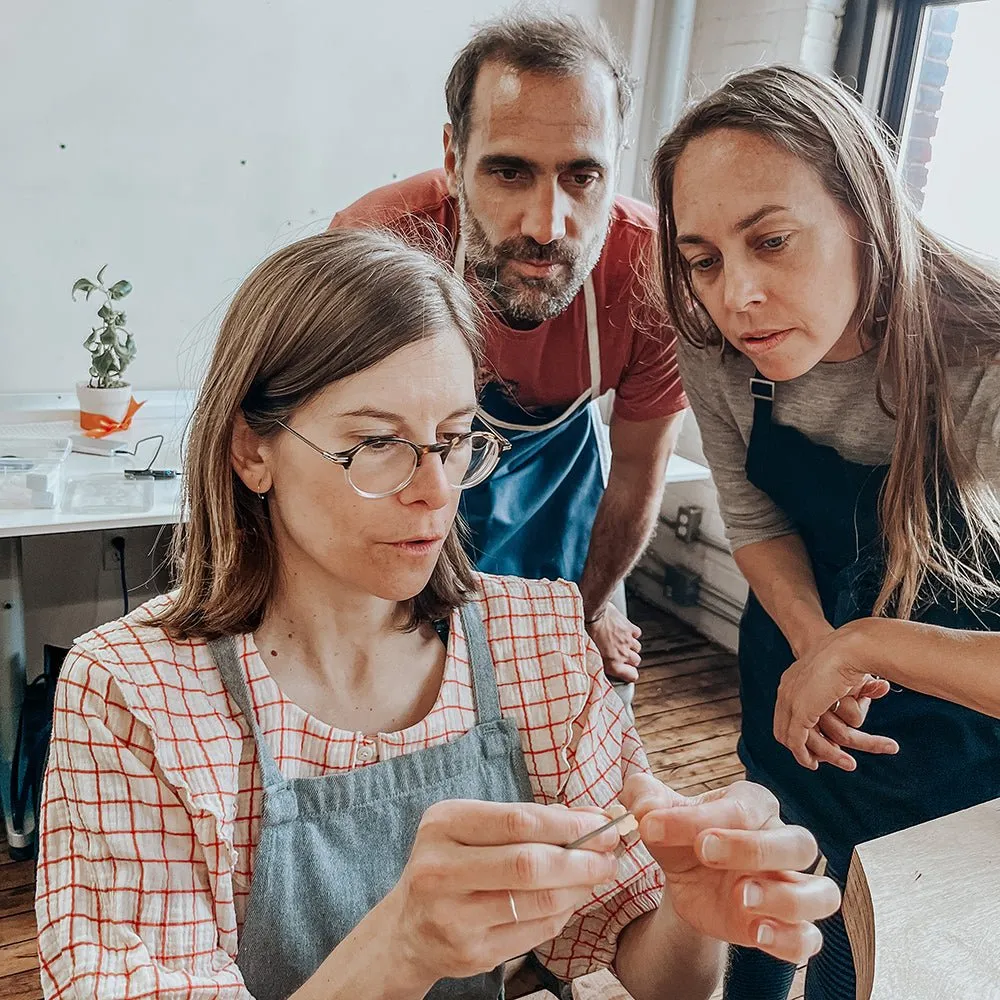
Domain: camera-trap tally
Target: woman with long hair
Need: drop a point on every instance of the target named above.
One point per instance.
(841, 360)
(338, 763)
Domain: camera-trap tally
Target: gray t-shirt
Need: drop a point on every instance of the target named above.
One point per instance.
(833, 404)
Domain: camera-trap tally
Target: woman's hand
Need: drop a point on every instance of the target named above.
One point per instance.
(487, 881)
(732, 867)
(824, 696)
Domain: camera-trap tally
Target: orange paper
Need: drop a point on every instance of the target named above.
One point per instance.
(96, 425)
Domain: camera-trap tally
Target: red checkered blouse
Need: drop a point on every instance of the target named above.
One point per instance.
(153, 798)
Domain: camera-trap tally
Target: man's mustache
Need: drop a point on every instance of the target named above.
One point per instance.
(525, 248)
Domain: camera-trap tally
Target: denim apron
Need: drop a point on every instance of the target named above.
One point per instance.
(331, 847)
(533, 516)
(949, 756)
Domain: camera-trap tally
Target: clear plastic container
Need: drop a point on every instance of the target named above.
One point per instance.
(103, 492)
(31, 471)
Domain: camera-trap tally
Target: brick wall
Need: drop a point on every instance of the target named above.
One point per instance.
(932, 74)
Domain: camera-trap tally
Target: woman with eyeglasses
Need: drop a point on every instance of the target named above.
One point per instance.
(336, 762)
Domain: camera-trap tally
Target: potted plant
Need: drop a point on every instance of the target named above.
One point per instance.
(106, 398)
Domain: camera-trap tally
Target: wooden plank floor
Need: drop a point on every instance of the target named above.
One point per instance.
(687, 712)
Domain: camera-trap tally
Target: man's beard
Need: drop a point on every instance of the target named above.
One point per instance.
(520, 300)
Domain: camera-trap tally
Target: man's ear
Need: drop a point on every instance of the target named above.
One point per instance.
(249, 453)
(451, 159)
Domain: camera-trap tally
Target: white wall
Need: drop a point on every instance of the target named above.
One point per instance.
(181, 141)
(159, 103)
(730, 35)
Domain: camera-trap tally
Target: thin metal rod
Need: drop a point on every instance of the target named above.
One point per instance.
(593, 833)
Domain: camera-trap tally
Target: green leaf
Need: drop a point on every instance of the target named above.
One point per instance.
(100, 274)
(119, 289)
(83, 285)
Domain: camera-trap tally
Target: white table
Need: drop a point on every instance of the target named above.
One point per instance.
(55, 414)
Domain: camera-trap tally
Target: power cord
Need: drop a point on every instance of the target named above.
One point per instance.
(118, 544)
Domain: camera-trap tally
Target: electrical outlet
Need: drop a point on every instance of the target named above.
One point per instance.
(688, 523)
(681, 585)
(110, 556)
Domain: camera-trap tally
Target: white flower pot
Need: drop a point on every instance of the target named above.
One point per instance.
(110, 403)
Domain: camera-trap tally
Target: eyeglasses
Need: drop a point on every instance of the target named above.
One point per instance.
(380, 467)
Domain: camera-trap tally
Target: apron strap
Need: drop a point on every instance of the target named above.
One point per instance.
(228, 661)
(762, 391)
(484, 678)
(593, 337)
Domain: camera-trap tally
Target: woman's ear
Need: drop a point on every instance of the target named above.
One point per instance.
(249, 454)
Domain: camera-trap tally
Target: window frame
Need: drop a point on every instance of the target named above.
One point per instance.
(877, 54)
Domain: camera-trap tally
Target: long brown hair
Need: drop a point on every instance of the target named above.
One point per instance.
(316, 311)
(923, 302)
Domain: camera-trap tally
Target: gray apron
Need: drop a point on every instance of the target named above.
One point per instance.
(331, 847)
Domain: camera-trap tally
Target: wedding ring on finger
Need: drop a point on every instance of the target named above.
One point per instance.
(513, 908)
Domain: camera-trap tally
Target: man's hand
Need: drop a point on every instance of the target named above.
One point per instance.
(733, 869)
(618, 641)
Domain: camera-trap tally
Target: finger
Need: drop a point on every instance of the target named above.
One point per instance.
(642, 793)
(875, 687)
(474, 823)
(826, 751)
(793, 733)
(633, 658)
(508, 940)
(538, 904)
(635, 644)
(796, 738)
(781, 848)
(849, 710)
(789, 897)
(636, 631)
(530, 867)
(621, 671)
(741, 806)
(856, 739)
(795, 943)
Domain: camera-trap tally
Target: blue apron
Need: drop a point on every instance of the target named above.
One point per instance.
(949, 757)
(331, 847)
(533, 517)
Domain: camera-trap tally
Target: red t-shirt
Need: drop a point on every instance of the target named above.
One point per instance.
(548, 365)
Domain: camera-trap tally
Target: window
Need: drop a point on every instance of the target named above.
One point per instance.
(932, 71)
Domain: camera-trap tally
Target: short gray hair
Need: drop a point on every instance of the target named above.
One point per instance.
(563, 45)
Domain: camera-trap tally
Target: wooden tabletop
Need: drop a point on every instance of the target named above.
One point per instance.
(922, 909)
